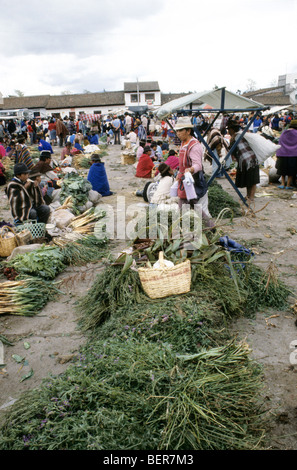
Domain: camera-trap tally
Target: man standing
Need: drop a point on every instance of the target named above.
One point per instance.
(116, 124)
(62, 132)
(128, 123)
(25, 198)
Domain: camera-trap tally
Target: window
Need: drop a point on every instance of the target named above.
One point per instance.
(150, 97)
(134, 98)
(97, 112)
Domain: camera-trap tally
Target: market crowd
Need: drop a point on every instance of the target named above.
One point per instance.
(170, 150)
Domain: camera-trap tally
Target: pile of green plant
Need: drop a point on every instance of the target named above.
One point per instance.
(219, 199)
(77, 187)
(50, 260)
(36, 271)
(46, 262)
(137, 395)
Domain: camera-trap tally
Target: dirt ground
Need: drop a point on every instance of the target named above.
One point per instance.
(54, 338)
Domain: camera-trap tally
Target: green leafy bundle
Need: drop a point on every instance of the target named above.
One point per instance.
(77, 188)
(139, 395)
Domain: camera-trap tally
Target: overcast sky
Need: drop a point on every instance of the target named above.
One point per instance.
(185, 45)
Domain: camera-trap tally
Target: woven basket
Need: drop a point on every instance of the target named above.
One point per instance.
(24, 237)
(7, 245)
(164, 281)
(37, 229)
(128, 159)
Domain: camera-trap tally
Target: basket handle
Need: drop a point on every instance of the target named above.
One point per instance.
(3, 231)
(30, 221)
(161, 259)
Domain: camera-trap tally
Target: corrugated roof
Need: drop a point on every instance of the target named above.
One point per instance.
(131, 87)
(106, 98)
(30, 102)
(273, 96)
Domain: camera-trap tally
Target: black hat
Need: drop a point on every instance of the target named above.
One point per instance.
(95, 158)
(46, 154)
(20, 168)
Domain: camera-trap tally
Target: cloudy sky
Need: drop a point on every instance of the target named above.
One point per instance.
(186, 45)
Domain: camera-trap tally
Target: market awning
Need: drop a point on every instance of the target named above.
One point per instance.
(274, 110)
(219, 99)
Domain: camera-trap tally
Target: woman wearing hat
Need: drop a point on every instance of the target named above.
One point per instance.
(190, 159)
(286, 163)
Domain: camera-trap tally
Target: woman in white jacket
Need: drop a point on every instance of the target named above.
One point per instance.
(162, 193)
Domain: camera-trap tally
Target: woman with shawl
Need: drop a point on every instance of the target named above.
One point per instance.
(286, 163)
(248, 172)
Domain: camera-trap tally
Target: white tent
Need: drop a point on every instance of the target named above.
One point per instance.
(274, 110)
(219, 99)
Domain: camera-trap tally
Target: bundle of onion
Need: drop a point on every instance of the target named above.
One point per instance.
(26, 296)
(85, 223)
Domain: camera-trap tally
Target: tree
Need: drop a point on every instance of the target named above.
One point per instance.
(251, 85)
(19, 93)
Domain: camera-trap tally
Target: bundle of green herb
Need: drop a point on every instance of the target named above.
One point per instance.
(139, 395)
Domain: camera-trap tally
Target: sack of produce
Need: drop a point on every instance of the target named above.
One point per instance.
(62, 218)
(262, 147)
(94, 196)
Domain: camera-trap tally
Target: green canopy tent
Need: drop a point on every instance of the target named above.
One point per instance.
(221, 101)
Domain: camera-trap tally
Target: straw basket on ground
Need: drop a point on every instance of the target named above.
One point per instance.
(128, 158)
(8, 241)
(164, 281)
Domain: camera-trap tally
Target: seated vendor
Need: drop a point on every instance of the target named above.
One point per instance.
(66, 151)
(44, 145)
(77, 146)
(162, 193)
(93, 138)
(172, 160)
(97, 176)
(145, 164)
(25, 197)
(48, 177)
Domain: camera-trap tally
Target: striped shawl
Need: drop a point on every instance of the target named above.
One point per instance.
(22, 199)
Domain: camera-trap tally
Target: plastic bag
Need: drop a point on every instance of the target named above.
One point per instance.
(188, 182)
(262, 147)
(173, 189)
